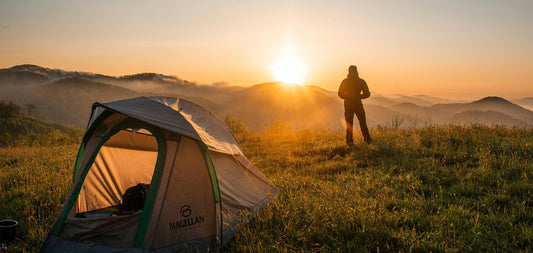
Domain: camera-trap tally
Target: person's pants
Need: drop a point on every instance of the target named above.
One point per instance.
(349, 110)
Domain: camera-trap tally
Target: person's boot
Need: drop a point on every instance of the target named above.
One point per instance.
(368, 140)
(349, 138)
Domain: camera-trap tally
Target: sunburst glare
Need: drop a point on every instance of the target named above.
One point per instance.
(289, 69)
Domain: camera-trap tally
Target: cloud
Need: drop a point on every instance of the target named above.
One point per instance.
(6, 26)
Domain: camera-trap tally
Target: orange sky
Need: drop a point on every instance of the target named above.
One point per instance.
(463, 49)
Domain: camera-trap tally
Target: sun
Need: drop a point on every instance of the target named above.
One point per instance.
(289, 69)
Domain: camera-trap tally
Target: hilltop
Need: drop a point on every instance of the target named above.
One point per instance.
(67, 96)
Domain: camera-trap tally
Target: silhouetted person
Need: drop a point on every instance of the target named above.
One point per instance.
(352, 90)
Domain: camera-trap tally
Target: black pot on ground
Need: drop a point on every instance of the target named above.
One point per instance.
(7, 230)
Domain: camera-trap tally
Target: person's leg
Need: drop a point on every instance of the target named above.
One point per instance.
(348, 117)
(360, 113)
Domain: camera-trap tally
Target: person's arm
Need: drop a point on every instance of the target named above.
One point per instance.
(342, 90)
(365, 90)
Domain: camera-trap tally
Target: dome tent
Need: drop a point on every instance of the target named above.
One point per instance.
(197, 185)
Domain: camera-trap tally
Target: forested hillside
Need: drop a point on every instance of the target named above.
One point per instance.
(18, 128)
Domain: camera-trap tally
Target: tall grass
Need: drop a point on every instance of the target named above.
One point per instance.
(34, 182)
(439, 189)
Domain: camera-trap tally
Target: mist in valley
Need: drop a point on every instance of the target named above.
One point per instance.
(67, 96)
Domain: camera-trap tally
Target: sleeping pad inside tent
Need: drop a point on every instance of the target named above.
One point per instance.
(157, 174)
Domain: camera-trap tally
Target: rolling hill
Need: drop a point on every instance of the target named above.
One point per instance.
(13, 80)
(15, 125)
(495, 104)
(67, 96)
(68, 100)
(524, 101)
(301, 106)
(488, 118)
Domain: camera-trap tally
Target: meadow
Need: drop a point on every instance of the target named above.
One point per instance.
(432, 189)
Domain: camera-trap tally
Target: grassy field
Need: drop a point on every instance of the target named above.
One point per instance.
(439, 189)
(34, 182)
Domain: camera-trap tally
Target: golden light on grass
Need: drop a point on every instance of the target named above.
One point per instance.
(289, 68)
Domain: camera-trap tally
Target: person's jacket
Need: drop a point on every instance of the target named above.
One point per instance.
(353, 88)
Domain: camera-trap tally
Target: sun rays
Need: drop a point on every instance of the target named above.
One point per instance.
(289, 68)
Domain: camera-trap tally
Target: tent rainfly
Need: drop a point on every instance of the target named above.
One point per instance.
(157, 174)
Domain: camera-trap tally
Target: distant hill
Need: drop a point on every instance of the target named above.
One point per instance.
(47, 75)
(419, 100)
(68, 100)
(524, 101)
(10, 80)
(55, 74)
(411, 109)
(488, 118)
(16, 127)
(301, 106)
(66, 97)
(435, 100)
(414, 100)
(380, 115)
(496, 104)
(149, 77)
(381, 100)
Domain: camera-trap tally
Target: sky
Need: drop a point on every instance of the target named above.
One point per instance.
(448, 48)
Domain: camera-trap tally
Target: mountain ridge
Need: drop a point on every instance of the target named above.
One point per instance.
(257, 105)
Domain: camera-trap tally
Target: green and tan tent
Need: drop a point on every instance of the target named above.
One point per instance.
(183, 167)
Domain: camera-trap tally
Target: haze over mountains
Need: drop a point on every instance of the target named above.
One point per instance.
(67, 96)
